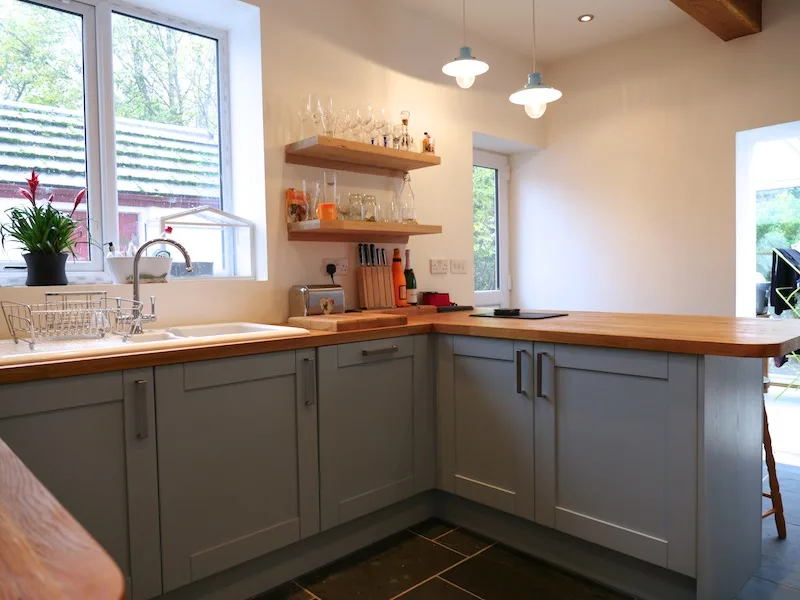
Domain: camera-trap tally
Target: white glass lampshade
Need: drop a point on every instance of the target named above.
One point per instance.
(535, 92)
(466, 67)
(465, 81)
(535, 111)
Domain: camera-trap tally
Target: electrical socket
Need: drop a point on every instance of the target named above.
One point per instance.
(458, 266)
(440, 266)
(342, 265)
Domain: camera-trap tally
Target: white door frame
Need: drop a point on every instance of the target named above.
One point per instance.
(500, 162)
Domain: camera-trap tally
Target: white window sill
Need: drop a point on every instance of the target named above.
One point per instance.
(16, 279)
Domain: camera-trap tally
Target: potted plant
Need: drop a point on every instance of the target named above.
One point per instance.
(46, 234)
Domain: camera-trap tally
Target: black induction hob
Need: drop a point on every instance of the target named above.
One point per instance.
(514, 314)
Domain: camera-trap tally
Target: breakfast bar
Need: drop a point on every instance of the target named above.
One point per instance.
(623, 447)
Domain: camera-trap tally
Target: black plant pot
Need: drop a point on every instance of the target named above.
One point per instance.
(46, 269)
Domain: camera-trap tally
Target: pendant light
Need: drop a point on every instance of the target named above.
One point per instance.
(535, 95)
(466, 67)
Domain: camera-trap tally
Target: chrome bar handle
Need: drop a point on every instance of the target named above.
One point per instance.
(520, 387)
(311, 381)
(140, 410)
(540, 375)
(381, 351)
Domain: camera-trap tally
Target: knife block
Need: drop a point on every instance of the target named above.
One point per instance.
(375, 287)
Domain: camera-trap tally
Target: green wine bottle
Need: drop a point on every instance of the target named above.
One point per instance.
(411, 280)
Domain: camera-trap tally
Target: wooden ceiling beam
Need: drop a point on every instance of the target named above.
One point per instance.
(728, 19)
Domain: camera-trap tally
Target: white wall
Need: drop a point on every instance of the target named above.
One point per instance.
(632, 205)
(357, 50)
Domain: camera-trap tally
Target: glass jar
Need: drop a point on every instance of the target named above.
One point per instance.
(407, 208)
(355, 207)
(369, 209)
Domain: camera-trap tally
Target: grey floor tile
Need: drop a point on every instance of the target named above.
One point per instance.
(500, 573)
(761, 589)
(465, 542)
(432, 528)
(437, 589)
(382, 570)
(777, 571)
(787, 550)
(288, 591)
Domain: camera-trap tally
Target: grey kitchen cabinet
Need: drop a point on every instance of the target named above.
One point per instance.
(376, 425)
(238, 468)
(486, 422)
(91, 441)
(616, 450)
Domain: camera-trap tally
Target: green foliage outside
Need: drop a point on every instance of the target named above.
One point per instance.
(777, 224)
(484, 182)
(161, 75)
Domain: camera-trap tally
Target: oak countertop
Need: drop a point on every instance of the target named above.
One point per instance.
(722, 336)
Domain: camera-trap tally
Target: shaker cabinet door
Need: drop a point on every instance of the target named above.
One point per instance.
(616, 450)
(376, 425)
(237, 458)
(78, 435)
(485, 404)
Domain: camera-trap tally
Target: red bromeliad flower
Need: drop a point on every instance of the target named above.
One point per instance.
(33, 185)
(168, 229)
(78, 199)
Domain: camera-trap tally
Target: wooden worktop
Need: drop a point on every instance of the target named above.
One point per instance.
(722, 336)
(44, 552)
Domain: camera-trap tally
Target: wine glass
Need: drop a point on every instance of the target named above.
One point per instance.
(364, 115)
(346, 122)
(327, 115)
(379, 122)
(312, 110)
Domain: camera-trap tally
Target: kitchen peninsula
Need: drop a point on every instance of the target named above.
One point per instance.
(624, 447)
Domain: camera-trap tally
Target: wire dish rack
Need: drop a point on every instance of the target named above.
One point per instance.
(71, 316)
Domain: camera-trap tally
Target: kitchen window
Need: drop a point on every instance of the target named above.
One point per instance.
(128, 103)
(490, 174)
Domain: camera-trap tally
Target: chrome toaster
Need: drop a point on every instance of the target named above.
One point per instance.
(310, 300)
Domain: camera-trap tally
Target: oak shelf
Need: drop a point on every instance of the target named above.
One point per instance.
(358, 157)
(357, 231)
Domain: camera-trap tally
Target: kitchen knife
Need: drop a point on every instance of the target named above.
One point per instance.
(361, 254)
(383, 257)
(372, 255)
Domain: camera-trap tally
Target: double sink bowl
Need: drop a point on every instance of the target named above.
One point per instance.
(229, 331)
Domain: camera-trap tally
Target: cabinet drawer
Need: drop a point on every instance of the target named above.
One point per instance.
(226, 371)
(361, 353)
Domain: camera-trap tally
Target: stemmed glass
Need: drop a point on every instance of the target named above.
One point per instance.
(327, 116)
(379, 124)
(312, 111)
(346, 122)
(364, 116)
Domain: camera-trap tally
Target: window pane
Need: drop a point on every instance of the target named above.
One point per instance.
(777, 224)
(42, 123)
(167, 123)
(484, 191)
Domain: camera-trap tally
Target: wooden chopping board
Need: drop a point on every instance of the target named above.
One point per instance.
(348, 322)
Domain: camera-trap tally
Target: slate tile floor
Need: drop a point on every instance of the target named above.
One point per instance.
(436, 561)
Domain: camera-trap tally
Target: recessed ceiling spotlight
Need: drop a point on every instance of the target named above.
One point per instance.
(586, 18)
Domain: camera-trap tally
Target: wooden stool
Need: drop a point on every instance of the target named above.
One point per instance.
(774, 486)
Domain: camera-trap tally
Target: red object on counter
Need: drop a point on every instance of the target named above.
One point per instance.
(436, 299)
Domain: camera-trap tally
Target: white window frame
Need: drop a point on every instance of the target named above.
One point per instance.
(499, 162)
(99, 113)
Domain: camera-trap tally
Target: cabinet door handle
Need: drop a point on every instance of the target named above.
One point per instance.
(140, 410)
(380, 351)
(540, 375)
(311, 381)
(520, 387)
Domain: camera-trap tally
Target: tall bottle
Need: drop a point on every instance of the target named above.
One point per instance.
(399, 280)
(408, 212)
(411, 280)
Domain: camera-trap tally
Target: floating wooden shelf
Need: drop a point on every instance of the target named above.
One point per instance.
(344, 155)
(357, 231)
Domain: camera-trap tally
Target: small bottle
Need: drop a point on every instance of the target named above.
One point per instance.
(399, 280)
(112, 251)
(411, 281)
